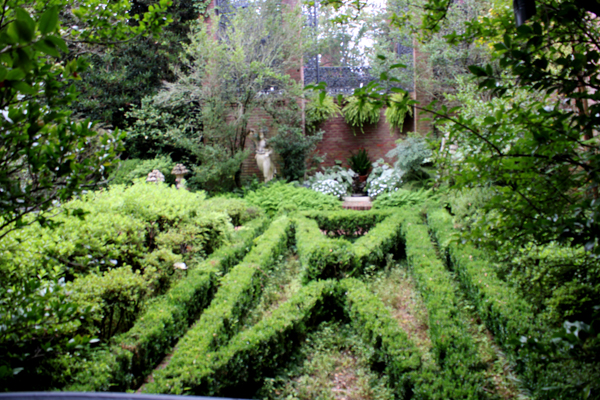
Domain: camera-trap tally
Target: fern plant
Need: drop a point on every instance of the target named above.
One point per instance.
(397, 109)
(360, 162)
(360, 112)
(320, 109)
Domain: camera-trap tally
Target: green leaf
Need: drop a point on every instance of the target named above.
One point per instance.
(477, 71)
(15, 74)
(24, 87)
(58, 42)
(24, 26)
(48, 47)
(48, 21)
(394, 66)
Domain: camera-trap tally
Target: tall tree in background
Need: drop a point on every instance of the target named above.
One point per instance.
(121, 76)
(231, 62)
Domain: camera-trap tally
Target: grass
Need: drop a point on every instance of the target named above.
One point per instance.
(396, 289)
(283, 282)
(331, 364)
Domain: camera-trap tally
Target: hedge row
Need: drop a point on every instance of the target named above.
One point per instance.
(259, 351)
(506, 314)
(461, 370)
(254, 352)
(125, 363)
(239, 290)
(392, 346)
(323, 257)
(320, 256)
(384, 238)
(346, 222)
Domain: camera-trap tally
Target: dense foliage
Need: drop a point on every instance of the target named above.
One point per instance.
(89, 277)
(203, 116)
(47, 156)
(280, 197)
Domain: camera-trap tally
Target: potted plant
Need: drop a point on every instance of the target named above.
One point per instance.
(360, 164)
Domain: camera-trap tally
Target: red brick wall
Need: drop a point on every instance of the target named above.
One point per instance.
(340, 139)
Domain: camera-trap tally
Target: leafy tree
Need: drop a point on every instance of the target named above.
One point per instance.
(45, 155)
(231, 62)
(121, 76)
(536, 144)
(293, 143)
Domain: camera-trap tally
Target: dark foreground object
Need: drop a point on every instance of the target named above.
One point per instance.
(98, 396)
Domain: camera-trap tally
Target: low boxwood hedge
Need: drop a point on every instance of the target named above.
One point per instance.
(321, 257)
(384, 238)
(505, 313)
(393, 349)
(239, 290)
(346, 222)
(461, 369)
(255, 353)
(124, 364)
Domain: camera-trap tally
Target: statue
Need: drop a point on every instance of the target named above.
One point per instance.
(263, 155)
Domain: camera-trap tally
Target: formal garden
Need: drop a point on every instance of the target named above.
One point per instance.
(139, 255)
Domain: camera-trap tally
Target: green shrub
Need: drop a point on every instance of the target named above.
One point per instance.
(320, 256)
(392, 346)
(402, 198)
(258, 351)
(240, 211)
(511, 318)
(115, 298)
(281, 197)
(239, 290)
(116, 249)
(382, 239)
(410, 155)
(323, 257)
(360, 162)
(383, 179)
(134, 169)
(335, 181)
(251, 353)
(346, 222)
(461, 369)
(132, 355)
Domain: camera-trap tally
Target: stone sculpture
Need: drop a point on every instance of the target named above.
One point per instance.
(263, 155)
(155, 176)
(179, 170)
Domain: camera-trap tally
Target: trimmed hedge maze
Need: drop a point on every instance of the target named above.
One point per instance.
(202, 321)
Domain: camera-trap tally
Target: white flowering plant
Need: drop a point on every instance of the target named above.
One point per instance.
(330, 186)
(383, 179)
(336, 181)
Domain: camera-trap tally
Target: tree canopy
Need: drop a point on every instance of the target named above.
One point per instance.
(47, 156)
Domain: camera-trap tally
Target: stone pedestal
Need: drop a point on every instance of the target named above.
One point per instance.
(357, 203)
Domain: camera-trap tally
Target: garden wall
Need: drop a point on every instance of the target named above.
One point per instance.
(338, 141)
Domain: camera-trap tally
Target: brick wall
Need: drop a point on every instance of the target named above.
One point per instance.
(339, 140)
